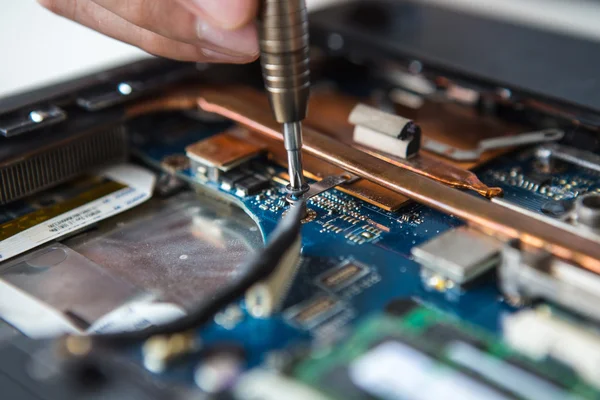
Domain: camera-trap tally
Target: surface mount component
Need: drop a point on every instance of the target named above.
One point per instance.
(284, 50)
(541, 335)
(251, 184)
(385, 132)
(459, 255)
(527, 275)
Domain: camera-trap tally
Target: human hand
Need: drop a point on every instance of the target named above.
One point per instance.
(186, 30)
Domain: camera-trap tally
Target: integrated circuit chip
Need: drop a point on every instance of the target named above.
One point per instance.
(229, 179)
(251, 185)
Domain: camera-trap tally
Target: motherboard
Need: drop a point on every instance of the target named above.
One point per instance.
(364, 284)
(448, 246)
(387, 298)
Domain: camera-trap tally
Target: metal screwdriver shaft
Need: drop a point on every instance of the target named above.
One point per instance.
(284, 54)
(292, 134)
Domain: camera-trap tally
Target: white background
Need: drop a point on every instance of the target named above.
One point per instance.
(37, 47)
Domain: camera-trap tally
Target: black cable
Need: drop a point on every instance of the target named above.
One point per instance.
(259, 267)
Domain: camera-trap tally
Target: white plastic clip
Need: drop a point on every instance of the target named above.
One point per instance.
(388, 133)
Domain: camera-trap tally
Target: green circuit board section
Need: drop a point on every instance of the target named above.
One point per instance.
(439, 349)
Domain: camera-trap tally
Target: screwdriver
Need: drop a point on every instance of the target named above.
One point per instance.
(284, 57)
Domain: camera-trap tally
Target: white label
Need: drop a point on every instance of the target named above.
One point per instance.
(140, 184)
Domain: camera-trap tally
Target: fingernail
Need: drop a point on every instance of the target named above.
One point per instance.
(228, 14)
(215, 56)
(241, 42)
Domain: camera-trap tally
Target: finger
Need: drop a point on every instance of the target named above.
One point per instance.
(165, 17)
(172, 20)
(98, 18)
(226, 14)
(93, 16)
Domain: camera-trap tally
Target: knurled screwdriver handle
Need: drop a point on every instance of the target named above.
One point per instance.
(285, 61)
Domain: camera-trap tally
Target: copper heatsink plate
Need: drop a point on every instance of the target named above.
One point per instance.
(223, 151)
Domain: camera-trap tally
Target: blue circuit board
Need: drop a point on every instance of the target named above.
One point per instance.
(335, 236)
(527, 185)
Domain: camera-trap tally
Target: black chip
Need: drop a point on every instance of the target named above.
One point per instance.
(252, 184)
(444, 334)
(400, 307)
(259, 167)
(232, 177)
